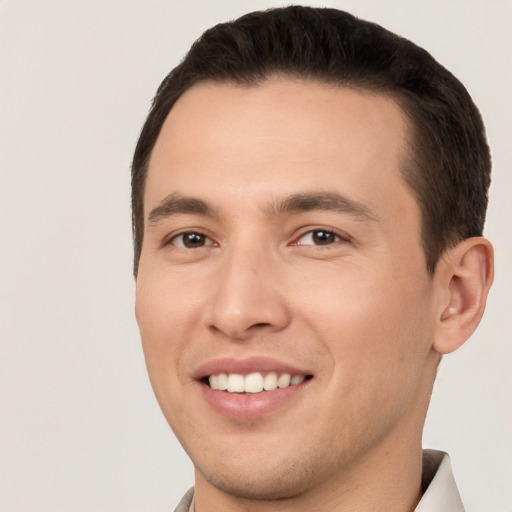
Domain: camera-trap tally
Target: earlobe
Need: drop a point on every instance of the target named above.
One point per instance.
(467, 274)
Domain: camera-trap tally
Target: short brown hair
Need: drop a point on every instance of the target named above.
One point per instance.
(448, 168)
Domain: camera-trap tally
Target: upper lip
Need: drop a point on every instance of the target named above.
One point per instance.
(247, 365)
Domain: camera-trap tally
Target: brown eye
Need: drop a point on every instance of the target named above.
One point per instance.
(191, 240)
(323, 237)
(318, 237)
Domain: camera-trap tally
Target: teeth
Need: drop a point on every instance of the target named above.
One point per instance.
(253, 382)
(297, 379)
(222, 381)
(270, 381)
(214, 381)
(236, 383)
(284, 380)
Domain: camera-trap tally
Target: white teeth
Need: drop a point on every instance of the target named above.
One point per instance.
(236, 383)
(284, 380)
(214, 381)
(222, 381)
(270, 381)
(297, 379)
(253, 382)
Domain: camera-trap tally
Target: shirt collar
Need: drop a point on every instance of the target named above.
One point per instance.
(441, 492)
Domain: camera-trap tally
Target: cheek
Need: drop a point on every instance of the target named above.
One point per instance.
(375, 328)
(166, 319)
(164, 314)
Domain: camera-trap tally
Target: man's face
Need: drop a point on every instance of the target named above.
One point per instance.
(281, 240)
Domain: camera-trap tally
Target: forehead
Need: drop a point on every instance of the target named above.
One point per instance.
(279, 135)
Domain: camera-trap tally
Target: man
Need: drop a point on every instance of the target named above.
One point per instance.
(308, 194)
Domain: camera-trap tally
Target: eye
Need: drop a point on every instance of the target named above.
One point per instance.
(318, 237)
(191, 240)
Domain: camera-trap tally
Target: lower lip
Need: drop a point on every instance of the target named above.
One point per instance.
(249, 406)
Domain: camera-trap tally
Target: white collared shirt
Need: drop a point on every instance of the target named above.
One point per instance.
(442, 494)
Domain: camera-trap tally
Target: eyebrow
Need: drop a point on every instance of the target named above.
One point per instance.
(175, 204)
(322, 201)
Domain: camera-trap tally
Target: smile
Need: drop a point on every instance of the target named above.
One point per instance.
(255, 382)
(251, 388)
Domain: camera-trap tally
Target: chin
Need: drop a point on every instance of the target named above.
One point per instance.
(257, 482)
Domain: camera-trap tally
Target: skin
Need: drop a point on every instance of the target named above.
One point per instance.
(360, 313)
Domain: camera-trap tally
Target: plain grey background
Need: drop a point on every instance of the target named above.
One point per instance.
(80, 429)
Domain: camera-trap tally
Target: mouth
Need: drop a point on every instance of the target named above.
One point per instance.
(251, 388)
(255, 382)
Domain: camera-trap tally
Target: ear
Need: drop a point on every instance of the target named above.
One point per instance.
(465, 276)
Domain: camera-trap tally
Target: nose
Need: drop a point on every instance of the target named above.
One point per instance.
(247, 299)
